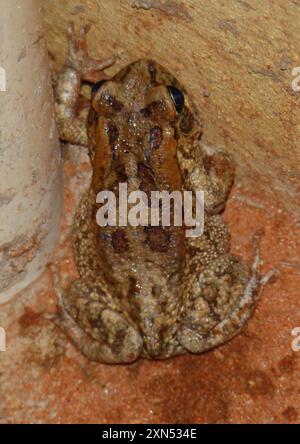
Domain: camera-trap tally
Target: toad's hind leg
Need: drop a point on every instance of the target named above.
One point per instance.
(101, 333)
(222, 298)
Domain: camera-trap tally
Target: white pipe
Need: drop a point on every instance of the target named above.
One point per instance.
(30, 165)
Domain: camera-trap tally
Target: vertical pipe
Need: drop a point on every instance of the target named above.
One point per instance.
(30, 167)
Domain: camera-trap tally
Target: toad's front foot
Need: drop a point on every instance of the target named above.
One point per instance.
(91, 70)
(71, 120)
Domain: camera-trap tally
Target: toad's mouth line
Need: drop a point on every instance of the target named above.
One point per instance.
(155, 208)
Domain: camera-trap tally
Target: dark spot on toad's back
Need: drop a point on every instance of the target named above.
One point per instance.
(113, 133)
(119, 241)
(144, 173)
(187, 122)
(156, 291)
(112, 101)
(146, 112)
(193, 251)
(158, 239)
(121, 173)
(152, 108)
(132, 287)
(156, 137)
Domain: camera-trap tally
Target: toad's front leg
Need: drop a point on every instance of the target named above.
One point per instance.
(79, 67)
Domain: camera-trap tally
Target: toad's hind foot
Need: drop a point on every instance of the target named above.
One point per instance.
(99, 332)
(119, 343)
(214, 328)
(91, 70)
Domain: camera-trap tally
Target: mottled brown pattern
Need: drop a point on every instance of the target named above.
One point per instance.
(156, 137)
(158, 239)
(119, 241)
(187, 122)
(115, 104)
(150, 291)
(145, 173)
(113, 133)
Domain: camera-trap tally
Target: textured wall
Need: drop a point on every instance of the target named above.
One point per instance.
(235, 58)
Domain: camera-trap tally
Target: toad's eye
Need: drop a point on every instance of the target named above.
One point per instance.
(177, 97)
(98, 85)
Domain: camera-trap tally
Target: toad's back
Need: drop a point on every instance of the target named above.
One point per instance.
(133, 134)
